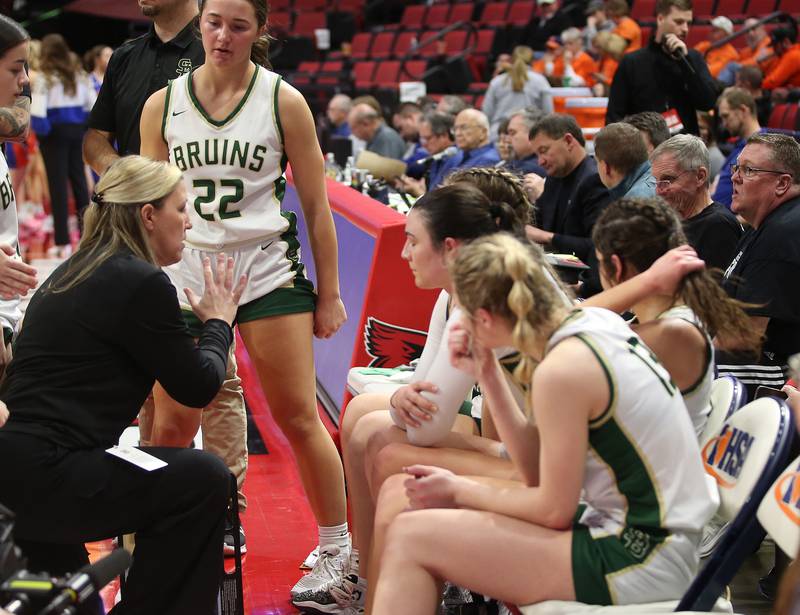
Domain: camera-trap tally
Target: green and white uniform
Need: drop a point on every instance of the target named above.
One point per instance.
(10, 313)
(645, 497)
(234, 174)
(698, 396)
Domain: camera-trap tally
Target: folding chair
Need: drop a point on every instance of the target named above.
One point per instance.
(231, 593)
(750, 452)
(727, 396)
(779, 512)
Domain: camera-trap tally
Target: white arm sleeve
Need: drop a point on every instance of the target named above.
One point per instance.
(434, 339)
(454, 385)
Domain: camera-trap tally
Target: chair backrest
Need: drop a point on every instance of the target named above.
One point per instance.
(437, 16)
(382, 45)
(413, 16)
(727, 396)
(461, 12)
(779, 512)
(745, 459)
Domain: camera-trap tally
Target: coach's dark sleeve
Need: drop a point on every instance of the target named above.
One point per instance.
(619, 92)
(702, 87)
(102, 116)
(154, 333)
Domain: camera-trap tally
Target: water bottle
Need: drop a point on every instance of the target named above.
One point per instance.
(347, 174)
(332, 170)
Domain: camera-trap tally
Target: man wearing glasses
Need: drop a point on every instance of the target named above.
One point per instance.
(680, 168)
(766, 268)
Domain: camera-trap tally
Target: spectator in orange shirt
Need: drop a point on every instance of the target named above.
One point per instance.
(718, 57)
(786, 72)
(611, 47)
(566, 63)
(627, 28)
(757, 53)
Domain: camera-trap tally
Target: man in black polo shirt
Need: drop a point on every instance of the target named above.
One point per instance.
(766, 267)
(573, 197)
(136, 70)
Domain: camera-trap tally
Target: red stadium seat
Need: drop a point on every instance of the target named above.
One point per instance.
(279, 5)
(413, 70)
(309, 5)
(759, 8)
(520, 13)
(306, 71)
(494, 14)
(403, 43)
(352, 6)
(362, 75)
(360, 46)
(437, 16)
(461, 12)
(386, 74)
(697, 33)
(734, 9)
(280, 20)
(703, 9)
(306, 23)
(413, 17)
(646, 32)
(429, 50)
(643, 10)
(784, 116)
(485, 41)
(330, 72)
(382, 46)
(456, 41)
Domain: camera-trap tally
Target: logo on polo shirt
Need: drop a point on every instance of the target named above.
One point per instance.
(724, 455)
(184, 66)
(787, 495)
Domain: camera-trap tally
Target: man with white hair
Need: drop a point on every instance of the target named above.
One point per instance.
(680, 169)
(337, 112)
(471, 131)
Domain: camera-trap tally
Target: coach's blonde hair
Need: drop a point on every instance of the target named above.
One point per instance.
(112, 222)
(508, 278)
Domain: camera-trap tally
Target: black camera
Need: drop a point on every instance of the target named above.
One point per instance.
(25, 593)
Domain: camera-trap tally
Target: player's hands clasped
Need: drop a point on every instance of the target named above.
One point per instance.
(220, 297)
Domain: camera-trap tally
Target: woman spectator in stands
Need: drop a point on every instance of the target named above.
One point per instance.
(506, 533)
(436, 226)
(518, 87)
(611, 48)
(62, 99)
(95, 62)
(98, 334)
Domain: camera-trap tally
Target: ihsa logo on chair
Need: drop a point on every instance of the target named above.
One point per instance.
(724, 455)
(787, 495)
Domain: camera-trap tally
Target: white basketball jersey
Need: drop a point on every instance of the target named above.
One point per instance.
(697, 397)
(9, 234)
(643, 469)
(233, 168)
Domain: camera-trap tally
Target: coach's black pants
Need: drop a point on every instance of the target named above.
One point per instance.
(65, 498)
(63, 160)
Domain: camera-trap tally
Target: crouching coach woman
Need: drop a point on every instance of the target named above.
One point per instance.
(100, 331)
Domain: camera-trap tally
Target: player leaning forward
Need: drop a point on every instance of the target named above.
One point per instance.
(232, 126)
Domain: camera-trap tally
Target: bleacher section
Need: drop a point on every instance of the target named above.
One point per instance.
(452, 46)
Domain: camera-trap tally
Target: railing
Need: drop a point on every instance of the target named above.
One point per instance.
(472, 37)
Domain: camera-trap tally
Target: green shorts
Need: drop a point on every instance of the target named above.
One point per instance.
(295, 299)
(594, 560)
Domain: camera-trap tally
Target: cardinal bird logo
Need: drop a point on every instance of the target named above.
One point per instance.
(390, 345)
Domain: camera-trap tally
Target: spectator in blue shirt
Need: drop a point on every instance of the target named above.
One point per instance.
(737, 111)
(471, 130)
(622, 162)
(337, 112)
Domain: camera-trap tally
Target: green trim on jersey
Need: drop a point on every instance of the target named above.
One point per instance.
(595, 561)
(166, 113)
(276, 112)
(631, 473)
(612, 387)
(293, 249)
(232, 114)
